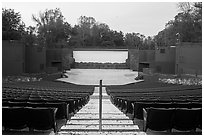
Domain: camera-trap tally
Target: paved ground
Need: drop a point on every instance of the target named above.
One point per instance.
(86, 121)
(93, 76)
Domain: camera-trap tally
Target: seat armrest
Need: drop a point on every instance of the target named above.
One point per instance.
(144, 119)
(67, 113)
(54, 120)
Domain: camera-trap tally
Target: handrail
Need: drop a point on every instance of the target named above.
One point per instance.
(100, 106)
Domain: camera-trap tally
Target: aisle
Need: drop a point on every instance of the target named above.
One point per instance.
(86, 121)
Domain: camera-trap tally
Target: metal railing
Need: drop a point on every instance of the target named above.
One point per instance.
(100, 106)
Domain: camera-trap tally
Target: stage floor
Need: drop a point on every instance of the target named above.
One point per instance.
(93, 76)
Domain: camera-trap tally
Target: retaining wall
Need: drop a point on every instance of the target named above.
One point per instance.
(189, 58)
(92, 65)
(13, 57)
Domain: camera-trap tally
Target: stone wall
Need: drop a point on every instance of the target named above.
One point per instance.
(35, 59)
(146, 59)
(13, 58)
(133, 59)
(146, 55)
(94, 65)
(165, 60)
(189, 58)
(61, 58)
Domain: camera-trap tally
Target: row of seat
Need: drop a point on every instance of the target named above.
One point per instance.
(149, 84)
(182, 119)
(62, 107)
(157, 94)
(139, 106)
(51, 90)
(33, 118)
(62, 102)
(133, 101)
(129, 104)
(154, 91)
(75, 100)
(49, 85)
(75, 104)
(174, 88)
(135, 108)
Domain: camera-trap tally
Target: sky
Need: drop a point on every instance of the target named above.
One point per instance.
(147, 18)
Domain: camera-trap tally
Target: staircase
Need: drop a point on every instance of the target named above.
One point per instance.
(86, 121)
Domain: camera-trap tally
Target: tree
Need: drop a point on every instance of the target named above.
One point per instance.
(86, 25)
(118, 38)
(184, 7)
(133, 40)
(12, 26)
(30, 37)
(52, 28)
(148, 44)
(187, 24)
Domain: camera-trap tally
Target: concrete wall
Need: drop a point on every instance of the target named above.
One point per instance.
(61, 58)
(133, 59)
(189, 58)
(67, 58)
(146, 59)
(146, 55)
(92, 65)
(12, 58)
(165, 60)
(35, 58)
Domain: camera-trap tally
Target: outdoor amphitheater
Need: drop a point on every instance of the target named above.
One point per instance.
(101, 102)
(101, 68)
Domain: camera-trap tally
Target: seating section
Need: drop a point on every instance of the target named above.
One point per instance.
(66, 99)
(34, 118)
(132, 99)
(181, 119)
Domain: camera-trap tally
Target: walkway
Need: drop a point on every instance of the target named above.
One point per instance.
(86, 121)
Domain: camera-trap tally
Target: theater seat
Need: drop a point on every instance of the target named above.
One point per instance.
(199, 119)
(62, 108)
(14, 117)
(158, 119)
(42, 119)
(138, 108)
(186, 119)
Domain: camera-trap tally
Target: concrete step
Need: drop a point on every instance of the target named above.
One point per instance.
(97, 97)
(105, 127)
(96, 121)
(86, 121)
(100, 133)
(95, 116)
(96, 113)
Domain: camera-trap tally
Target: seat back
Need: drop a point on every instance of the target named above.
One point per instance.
(14, 117)
(159, 119)
(186, 119)
(199, 119)
(42, 118)
(138, 108)
(17, 104)
(62, 109)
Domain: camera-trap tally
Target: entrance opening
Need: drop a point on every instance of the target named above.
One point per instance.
(57, 64)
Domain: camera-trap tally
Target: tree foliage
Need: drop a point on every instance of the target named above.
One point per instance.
(186, 26)
(12, 26)
(53, 31)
